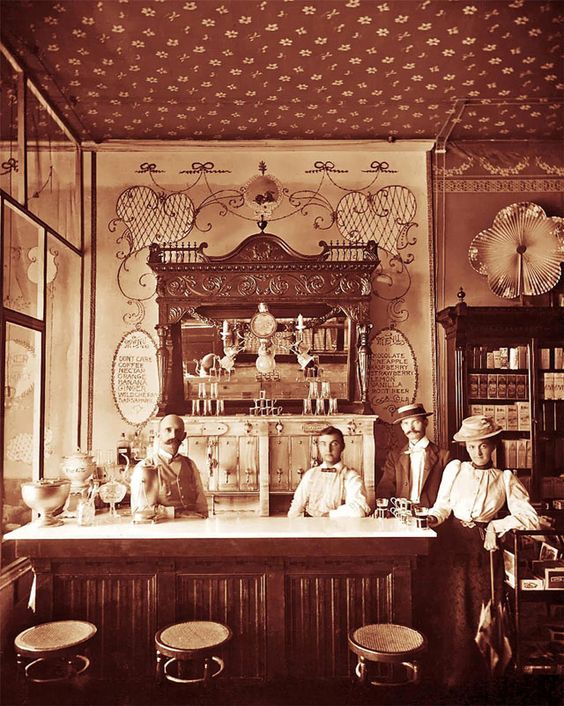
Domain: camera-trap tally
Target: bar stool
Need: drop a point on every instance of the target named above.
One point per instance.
(387, 643)
(48, 652)
(190, 645)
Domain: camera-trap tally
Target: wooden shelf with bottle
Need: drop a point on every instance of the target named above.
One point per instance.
(495, 366)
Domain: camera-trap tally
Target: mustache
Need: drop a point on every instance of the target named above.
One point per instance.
(172, 441)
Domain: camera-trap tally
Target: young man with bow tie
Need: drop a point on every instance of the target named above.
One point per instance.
(330, 489)
(415, 470)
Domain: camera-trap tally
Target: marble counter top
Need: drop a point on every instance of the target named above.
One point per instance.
(235, 527)
(214, 535)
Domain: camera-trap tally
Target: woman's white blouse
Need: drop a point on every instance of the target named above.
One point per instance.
(477, 495)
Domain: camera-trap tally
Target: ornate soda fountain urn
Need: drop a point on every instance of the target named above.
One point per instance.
(144, 486)
(77, 468)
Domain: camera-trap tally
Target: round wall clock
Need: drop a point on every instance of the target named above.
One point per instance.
(263, 324)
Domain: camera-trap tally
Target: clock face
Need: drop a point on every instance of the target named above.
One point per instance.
(263, 325)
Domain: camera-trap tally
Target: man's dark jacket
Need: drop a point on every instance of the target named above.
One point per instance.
(395, 480)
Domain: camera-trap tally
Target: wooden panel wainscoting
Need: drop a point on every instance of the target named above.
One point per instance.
(121, 599)
(15, 614)
(325, 602)
(232, 595)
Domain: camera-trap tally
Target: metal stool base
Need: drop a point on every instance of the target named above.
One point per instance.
(412, 673)
(70, 667)
(174, 661)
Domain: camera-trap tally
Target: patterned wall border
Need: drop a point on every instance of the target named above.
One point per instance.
(489, 185)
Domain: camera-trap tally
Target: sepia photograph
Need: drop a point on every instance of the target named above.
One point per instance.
(282, 336)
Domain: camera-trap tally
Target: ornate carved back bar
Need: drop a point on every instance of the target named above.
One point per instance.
(262, 269)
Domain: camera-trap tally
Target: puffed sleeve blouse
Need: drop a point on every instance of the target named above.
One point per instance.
(477, 495)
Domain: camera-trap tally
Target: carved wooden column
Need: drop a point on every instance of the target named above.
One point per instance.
(163, 360)
(363, 359)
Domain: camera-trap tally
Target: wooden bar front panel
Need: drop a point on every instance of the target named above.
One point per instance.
(323, 604)
(288, 616)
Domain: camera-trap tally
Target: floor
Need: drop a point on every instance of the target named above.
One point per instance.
(532, 691)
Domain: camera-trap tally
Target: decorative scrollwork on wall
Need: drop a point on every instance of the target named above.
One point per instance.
(152, 213)
(10, 165)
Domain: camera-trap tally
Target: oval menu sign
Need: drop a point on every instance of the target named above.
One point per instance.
(393, 373)
(135, 378)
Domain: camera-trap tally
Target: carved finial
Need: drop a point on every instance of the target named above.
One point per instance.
(461, 295)
(262, 224)
(262, 167)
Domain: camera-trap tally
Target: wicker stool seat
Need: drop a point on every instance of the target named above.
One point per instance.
(387, 643)
(190, 648)
(53, 650)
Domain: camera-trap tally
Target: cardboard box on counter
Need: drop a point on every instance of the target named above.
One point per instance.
(532, 584)
(554, 578)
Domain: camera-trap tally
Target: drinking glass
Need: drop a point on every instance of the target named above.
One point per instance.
(112, 491)
(319, 405)
(381, 507)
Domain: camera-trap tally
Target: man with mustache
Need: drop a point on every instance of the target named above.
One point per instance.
(179, 482)
(415, 470)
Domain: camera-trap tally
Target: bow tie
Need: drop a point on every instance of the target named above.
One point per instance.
(329, 470)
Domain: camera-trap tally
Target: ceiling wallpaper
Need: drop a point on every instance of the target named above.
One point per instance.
(279, 69)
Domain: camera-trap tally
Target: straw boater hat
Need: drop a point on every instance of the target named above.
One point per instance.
(476, 428)
(411, 410)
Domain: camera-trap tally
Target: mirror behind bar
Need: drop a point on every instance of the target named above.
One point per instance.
(320, 303)
(323, 352)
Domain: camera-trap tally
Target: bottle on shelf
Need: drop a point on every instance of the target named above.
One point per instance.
(123, 450)
(138, 447)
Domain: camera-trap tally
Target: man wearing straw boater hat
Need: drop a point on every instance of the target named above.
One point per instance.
(415, 470)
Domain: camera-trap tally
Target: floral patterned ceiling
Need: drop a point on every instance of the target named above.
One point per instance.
(307, 69)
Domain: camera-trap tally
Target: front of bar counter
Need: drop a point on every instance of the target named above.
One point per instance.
(289, 589)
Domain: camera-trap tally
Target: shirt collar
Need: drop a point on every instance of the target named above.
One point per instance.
(420, 445)
(337, 466)
(165, 455)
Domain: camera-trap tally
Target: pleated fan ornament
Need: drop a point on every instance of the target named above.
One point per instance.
(521, 252)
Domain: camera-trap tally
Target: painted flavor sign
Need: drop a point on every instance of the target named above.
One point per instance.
(393, 373)
(135, 380)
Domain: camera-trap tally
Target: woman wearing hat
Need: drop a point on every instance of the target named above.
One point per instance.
(472, 495)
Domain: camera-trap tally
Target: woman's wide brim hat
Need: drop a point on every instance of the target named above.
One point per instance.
(410, 410)
(476, 428)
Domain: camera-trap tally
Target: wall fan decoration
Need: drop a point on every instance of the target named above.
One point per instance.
(521, 252)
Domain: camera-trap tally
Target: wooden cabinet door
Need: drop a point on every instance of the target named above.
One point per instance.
(300, 458)
(228, 463)
(279, 464)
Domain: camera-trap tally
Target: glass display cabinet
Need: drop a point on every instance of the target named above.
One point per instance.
(507, 362)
